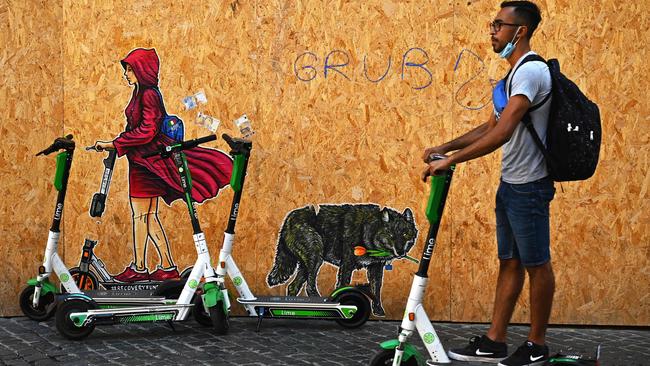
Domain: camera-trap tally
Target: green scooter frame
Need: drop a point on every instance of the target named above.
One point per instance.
(349, 306)
(38, 299)
(398, 351)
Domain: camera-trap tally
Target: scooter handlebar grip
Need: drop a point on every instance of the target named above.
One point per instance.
(150, 154)
(204, 139)
(434, 156)
(198, 141)
(228, 140)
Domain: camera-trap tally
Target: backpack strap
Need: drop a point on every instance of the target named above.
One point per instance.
(162, 102)
(533, 57)
(526, 119)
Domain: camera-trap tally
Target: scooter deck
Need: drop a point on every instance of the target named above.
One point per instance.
(124, 297)
(296, 301)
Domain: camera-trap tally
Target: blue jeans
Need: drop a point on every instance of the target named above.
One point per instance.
(523, 221)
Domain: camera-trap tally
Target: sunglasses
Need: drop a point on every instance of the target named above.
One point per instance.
(496, 25)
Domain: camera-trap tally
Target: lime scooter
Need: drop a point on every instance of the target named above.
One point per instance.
(38, 300)
(397, 351)
(78, 313)
(348, 306)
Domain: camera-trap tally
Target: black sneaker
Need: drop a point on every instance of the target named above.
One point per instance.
(528, 354)
(480, 349)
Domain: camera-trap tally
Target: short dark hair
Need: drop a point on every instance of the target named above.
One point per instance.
(527, 13)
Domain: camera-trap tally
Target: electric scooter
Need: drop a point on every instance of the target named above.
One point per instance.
(398, 351)
(38, 299)
(348, 306)
(78, 313)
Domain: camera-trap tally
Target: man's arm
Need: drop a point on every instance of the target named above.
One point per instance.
(497, 136)
(492, 139)
(462, 141)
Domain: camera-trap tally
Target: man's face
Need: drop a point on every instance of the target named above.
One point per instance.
(503, 28)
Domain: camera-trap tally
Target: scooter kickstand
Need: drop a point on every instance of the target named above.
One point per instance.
(260, 316)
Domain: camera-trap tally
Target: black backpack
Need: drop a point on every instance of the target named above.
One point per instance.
(573, 134)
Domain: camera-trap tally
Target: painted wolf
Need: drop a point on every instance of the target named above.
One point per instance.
(312, 235)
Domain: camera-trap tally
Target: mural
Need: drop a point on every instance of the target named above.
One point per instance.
(350, 237)
(148, 126)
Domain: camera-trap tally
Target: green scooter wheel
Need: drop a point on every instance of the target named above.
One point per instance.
(46, 304)
(219, 316)
(386, 356)
(66, 326)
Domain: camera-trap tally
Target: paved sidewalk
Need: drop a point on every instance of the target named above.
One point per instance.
(280, 342)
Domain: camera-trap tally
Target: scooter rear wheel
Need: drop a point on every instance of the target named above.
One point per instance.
(46, 306)
(386, 356)
(66, 326)
(219, 317)
(170, 289)
(363, 309)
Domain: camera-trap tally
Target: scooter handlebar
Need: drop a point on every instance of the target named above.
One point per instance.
(150, 154)
(435, 156)
(238, 145)
(166, 150)
(198, 141)
(59, 143)
(228, 140)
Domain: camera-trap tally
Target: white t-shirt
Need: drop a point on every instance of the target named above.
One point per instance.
(522, 160)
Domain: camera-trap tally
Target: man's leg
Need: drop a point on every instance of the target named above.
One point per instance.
(509, 285)
(542, 288)
(529, 217)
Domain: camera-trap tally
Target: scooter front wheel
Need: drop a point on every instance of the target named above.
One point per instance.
(386, 356)
(66, 326)
(46, 306)
(199, 313)
(84, 280)
(219, 316)
(363, 309)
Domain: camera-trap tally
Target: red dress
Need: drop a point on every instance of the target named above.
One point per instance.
(155, 177)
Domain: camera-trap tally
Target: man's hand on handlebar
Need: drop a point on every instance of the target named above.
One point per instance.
(432, 150)
(436, 167)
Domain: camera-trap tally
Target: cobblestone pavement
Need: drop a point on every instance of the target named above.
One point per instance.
(280, 342)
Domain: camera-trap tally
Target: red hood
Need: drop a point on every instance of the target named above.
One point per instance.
(145, 65)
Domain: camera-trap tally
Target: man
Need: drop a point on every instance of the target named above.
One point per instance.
(524, 193)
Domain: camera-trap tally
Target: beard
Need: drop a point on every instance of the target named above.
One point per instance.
(497, 48)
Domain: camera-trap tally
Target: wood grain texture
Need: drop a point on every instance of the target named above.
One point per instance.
(32, 98)
(328, 133)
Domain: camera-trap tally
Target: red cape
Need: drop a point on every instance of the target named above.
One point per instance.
(210, 169)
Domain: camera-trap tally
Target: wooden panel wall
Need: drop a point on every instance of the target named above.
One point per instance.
(31, 91)
(350, 136)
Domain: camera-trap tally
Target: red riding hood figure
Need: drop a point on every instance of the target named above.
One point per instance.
(150, 178)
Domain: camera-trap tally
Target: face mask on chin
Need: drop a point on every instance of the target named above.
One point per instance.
(510, 47)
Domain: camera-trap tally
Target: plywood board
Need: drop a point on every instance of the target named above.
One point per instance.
(344, 97)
